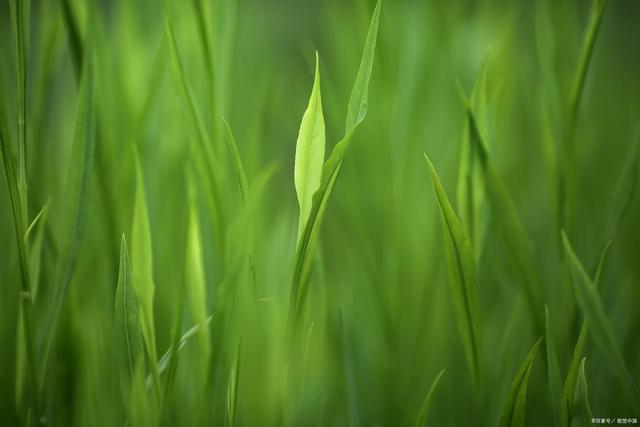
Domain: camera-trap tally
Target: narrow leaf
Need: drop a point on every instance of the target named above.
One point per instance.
(126, 321)
(426, 404)
(582, 414)
(331, 170)
(553, 371)
(357, 107)
(591, 305)
(462, 269)
(513, 413)
(237, 162)
(232, 388)
(309, 152)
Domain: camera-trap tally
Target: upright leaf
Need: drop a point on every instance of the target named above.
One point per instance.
(553, 371)
(513, 413)
(309, 152)
(426, 403)
(142, 266)
(570, 382)
(463, 275)
(196, 281)
(520, 249)
(592, 308)
(237, 162)
(357, 107)
(582, 414)
(126, 321)
(331, 169)
(232, 388)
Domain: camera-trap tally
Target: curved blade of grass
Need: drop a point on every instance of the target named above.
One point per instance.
(570, 382)
(582, 414)
(462, 268)
(331, 170)
(357, 107)
(237, 162)
(75, 203)
(142, 267)
(553, 371)
(592, 308)
(126, 321)
(426, 403)
(195, 278)
(168, 357)
(519, 247)
(514, 409)
(595, 19)
(309, 152)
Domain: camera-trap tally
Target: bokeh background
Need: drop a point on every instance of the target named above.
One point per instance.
(379, 324)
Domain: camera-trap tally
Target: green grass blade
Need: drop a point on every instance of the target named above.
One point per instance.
(570, 382)
(331, 170)
(513, 414)
(357, 107)
(426, 403)
(126, 320)
(142, 267)
(34, 239)
(581, 408)
(591, 35)
(309, 152)
(76, 203)
(591, 305)
(25, 322)
(19, 18)
(196, 280)
(463, 274)
(553, 371)
(237, 162)
(519, 247)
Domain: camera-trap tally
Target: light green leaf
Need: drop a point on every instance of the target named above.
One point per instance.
(35, 236)
(142, 265)
(426, 404)
(232, 388)
(357, 107)
(513, 413)
(309, 152)
(196, 280)
(331, 170)
(463, 275)
(126, 321)
(592, 308)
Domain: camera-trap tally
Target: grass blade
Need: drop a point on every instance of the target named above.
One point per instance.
(126, 320)
(357, 107)
(426, 403)
(581, 408)
(331, 169)
(309, 151)
(553, 371)
(519, 247)
(142, 268)
(237, 162)
(513, 413)
(196, 280)
(592, 308)
(463, 274)
(570, 382)
(232, 388)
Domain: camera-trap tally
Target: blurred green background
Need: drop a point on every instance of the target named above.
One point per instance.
(379, 323)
